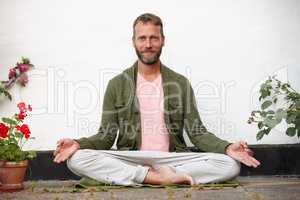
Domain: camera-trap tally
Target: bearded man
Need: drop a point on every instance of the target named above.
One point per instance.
(146, 108)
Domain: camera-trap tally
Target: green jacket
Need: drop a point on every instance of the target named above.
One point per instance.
(121, 113)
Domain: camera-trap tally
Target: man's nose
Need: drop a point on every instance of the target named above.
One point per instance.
(148, 43)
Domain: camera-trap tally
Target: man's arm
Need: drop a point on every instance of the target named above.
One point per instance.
(105, 137)
(207, 141)
(109, 127)
(195, 129)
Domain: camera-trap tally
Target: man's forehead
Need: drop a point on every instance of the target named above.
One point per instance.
(141, 23)
(145, 26)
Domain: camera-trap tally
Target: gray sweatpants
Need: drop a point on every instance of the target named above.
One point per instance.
(131, 167)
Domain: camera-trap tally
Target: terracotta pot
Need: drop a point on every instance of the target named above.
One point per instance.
(12, 175)
(1, 163)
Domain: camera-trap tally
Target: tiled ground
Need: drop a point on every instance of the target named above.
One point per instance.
(252, 188)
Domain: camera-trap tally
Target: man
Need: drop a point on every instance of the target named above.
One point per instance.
(150, 105)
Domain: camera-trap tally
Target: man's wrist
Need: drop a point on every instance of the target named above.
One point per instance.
(77, 145)
(226, 148)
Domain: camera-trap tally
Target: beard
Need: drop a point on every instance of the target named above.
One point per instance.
(148, 60)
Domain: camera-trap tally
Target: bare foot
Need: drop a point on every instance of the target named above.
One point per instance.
(166, 175)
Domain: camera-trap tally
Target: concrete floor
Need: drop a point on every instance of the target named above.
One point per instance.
(252, 188)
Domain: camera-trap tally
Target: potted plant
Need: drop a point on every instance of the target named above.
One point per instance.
(280, 102)
(13, 159)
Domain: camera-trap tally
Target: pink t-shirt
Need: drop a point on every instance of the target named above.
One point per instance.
(155, 136)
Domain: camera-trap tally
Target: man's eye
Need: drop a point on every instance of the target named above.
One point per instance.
(154, 38)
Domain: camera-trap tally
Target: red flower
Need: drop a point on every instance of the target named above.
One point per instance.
(22, 106)
(23, 109)
(21, 115)
(24, 130)
(23, 67)
(3, 130)
(12, 73)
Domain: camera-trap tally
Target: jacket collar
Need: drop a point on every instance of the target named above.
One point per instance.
(166, 78)
(133, 70)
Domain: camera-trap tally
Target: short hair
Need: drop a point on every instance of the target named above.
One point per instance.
(149, 18)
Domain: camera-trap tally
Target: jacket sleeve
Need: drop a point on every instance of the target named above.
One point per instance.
(109, 127)
(195, 129)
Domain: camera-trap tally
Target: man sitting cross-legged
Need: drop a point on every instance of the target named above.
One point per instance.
(148, 106)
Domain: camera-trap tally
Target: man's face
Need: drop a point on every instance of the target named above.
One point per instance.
(148, 42)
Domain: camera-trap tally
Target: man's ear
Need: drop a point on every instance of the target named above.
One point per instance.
(163, 41)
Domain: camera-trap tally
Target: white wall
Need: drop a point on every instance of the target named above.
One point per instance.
(226, 48)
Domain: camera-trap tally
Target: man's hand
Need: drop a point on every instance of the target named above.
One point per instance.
(65, 148)
(240, 152)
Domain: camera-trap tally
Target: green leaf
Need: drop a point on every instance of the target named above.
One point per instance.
(260, 125)
(264, 94)
(266, 104)
(263, 114)
(291, 116)
(25, 60)
(298, 104)
(270, 122)
(284, 87)
(291, 131)
(30, 154)
(270, 112)
(9, 121)
(265, 90)
(260, 135)
(294, 96)
(267, 131)
(280, 114)
(19, 135)
(3, 142)
(5, 92)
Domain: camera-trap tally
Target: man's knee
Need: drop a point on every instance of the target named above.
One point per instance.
(72, 162)
(233, 168)
(80, 158)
